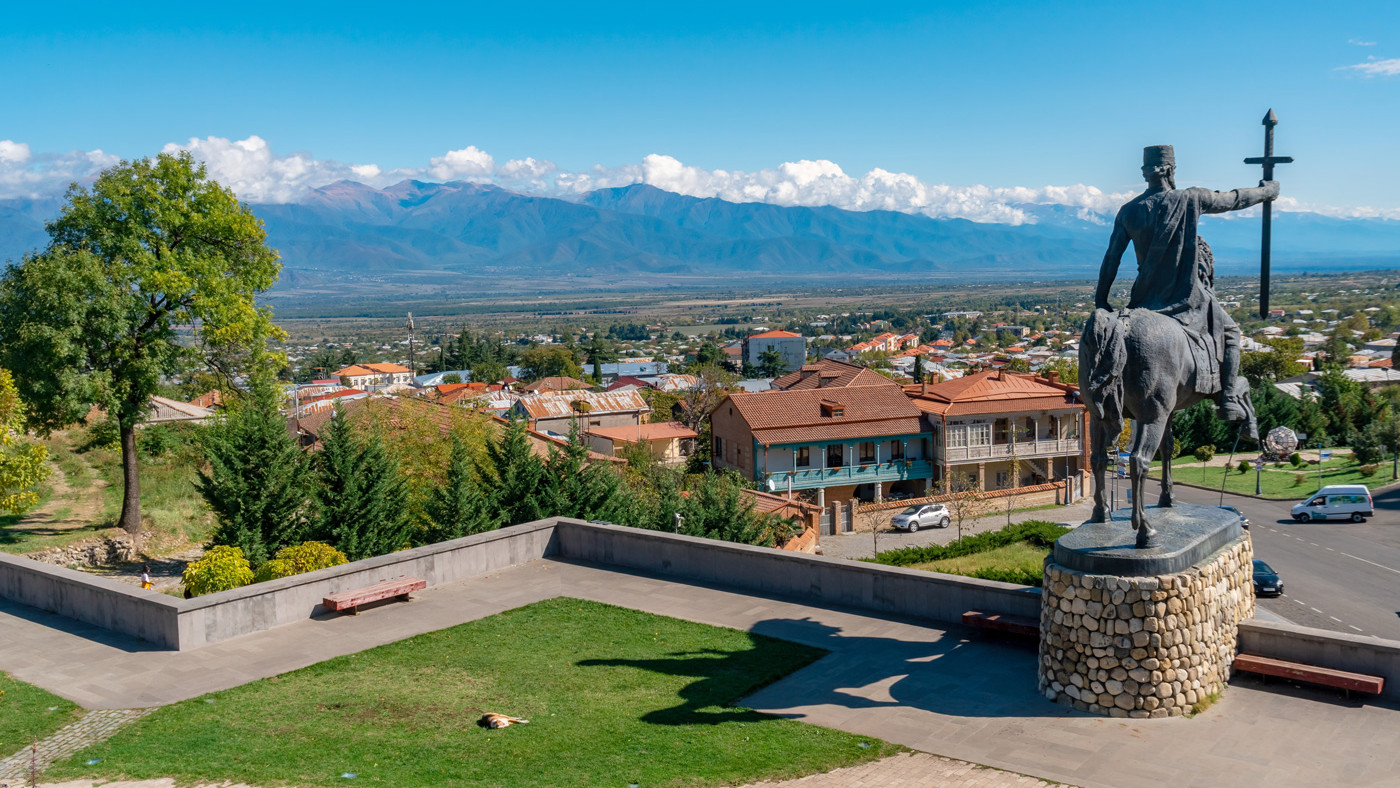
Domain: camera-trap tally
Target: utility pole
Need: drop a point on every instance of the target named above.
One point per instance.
(412, 369)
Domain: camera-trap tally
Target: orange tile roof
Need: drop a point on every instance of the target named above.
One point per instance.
(557, 383)
(993, 391)
(356, 370)
(829, 374)
(774, 335)
(652, 431)
(796, 415)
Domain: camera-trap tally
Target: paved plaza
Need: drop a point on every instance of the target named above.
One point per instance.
(945, 692)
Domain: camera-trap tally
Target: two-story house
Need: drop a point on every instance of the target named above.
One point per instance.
(984, 423)
(374, 377)
(792, 347)
(842, 431)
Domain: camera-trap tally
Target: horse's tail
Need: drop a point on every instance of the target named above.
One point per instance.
(1104, 349)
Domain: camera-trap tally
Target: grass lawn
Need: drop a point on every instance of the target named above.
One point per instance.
(1281, 483)
(614, 697)
(171, 507)
(1015, 557)
(27, 713)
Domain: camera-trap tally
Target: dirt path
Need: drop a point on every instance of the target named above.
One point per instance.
(65, 509)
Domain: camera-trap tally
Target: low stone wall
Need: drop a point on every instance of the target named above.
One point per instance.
(810, 578)
(91, 599)
(98, 551)
(1144, 646)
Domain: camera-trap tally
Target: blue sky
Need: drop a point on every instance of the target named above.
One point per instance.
(999, 95)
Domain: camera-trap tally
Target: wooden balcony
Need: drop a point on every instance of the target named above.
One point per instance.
(871, 473)
(1024, 450)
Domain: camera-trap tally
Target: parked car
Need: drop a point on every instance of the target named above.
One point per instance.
(1244, 521)
(1337, 502)
(928, 515)
(1266, 580)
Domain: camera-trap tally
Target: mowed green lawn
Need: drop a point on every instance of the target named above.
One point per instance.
(1015, 557)
(614, 697)
(27, 713)
(1280, 483)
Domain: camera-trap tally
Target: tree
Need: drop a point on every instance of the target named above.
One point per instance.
(577, 488)
(152, 245)
(514, 477)
(770, 363)
(258, 481)
(23, 463)
(965, 498)
(489, 372)
(709, 354)
(599, 352)
(458, 507)
(451, 378)
(918, 372)
(548, 361)
(363, 497)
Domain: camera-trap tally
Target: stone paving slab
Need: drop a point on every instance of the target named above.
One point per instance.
(947, 692)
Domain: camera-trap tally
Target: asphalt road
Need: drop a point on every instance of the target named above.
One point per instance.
(1340, 576)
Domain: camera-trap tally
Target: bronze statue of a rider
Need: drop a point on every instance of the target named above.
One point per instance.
(1176, 273)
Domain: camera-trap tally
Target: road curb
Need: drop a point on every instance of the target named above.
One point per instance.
(1216, 490)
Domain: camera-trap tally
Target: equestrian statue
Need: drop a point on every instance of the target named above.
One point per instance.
(1172, 345)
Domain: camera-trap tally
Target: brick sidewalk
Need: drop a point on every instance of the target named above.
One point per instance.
(94, 727)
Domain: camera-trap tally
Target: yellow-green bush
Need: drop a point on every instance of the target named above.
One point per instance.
(296, 559)
(220, 569)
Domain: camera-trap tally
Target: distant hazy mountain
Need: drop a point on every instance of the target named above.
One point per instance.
(412, 229)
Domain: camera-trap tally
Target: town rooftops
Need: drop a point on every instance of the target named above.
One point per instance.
(557, 383)
(561, 404)
(653, 431)
(802, 415)
(357, 370)
(995, 391)
(828, 373)
(775, 335)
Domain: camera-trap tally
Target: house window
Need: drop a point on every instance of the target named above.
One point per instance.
(867, 451)
(1003, 480)
(979, 435)
(804, 457)
(896, 450)
(835, 455)
(957, 436)
(719, 448)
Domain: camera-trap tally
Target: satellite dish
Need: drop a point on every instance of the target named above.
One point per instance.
(772, 485)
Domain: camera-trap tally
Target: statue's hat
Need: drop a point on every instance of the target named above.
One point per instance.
(1154, 155)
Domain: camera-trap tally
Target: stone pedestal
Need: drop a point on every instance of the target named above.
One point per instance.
(1145, 633)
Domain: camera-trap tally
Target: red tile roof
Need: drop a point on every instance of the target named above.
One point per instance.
(797, 415)
(829, 374)
(992, 392)
(357, 370)
(774, 335)
(653, 431)
(557, 383)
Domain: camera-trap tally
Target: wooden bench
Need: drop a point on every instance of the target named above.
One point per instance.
(351, 600)
(1003, 623)
(1341, 679)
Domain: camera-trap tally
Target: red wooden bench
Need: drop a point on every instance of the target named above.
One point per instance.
(351, 600)
(1341, 679)
(1003, 623)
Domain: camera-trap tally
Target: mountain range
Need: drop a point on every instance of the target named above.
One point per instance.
(416, 231)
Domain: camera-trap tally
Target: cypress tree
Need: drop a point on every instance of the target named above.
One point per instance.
(458, 507)
(578, 488)
(515, 478)
(363, 496)
(258, 482)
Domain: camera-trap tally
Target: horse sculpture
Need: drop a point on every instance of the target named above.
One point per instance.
(1135, 363)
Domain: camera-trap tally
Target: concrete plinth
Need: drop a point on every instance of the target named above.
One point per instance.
(1139, 644)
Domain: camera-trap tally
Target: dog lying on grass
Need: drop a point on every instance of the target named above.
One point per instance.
(493, 720)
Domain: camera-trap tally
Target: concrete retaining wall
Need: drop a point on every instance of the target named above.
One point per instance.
(809, 578)
(91, 599)
(1372, 656)
(215, 617)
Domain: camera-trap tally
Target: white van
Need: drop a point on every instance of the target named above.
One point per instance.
(1337, 502)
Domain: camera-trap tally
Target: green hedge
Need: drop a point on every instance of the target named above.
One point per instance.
(1036, 532)
(1021, 577)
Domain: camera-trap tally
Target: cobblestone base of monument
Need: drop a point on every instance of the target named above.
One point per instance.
(1144, 646)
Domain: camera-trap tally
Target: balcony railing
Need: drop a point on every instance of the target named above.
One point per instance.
(1024, 450)
(870, 473)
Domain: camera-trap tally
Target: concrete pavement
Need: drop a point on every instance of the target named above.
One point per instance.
(943, 691)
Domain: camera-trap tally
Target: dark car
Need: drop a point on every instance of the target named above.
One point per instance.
(1244, 521)
(1266, 580)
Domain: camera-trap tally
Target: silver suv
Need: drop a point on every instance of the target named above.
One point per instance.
(928, 515)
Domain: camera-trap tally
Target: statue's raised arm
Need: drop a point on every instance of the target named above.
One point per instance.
(1236, 199)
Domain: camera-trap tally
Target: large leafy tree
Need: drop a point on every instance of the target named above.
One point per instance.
(258, 482)
(23, 463)
(153, 244)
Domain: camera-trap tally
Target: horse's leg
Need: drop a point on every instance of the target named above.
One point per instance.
(1098, 462)
(1168, 442)
(1147, 437)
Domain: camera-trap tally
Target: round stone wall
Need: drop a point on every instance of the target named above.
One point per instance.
(1143, 646)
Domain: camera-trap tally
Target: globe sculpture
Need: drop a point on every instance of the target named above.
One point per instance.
(1280, 443)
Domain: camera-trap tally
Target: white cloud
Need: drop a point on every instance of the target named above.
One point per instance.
(1358, 42)
(257, 174)
(1377, 68)
(468, 162)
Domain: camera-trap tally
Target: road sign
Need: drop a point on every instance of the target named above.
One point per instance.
(1327, 455)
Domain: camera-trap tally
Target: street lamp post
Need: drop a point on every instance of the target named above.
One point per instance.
(1258, 469)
